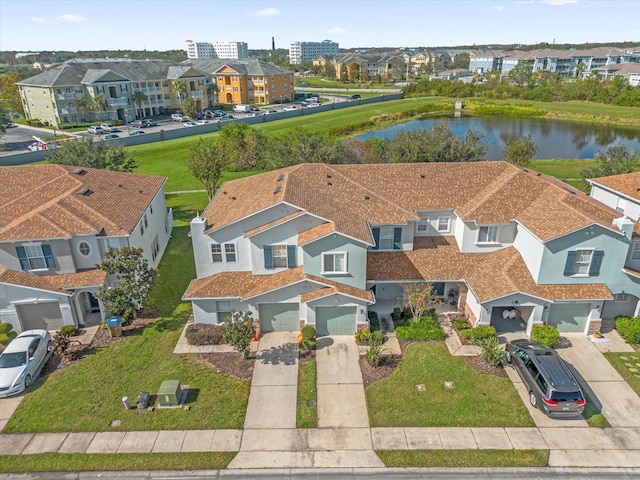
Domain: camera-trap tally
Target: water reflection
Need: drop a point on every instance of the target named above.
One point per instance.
(554, 139)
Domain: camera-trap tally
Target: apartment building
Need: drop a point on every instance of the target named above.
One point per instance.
(226, 50)
(307, 51)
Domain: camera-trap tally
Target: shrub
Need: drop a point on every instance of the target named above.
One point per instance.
(492, 352)
(478, 334)
(5, 328)
(309, 341)
(374, 355)
(401, 317)
(374, 322)
(5, 338)
(68, 330)
(548, 335)
(427, 328)
(466, 333)
(460, 324)
(376, 338)
(629, 329)
(363, 337)
(239, 331)
(204, 334)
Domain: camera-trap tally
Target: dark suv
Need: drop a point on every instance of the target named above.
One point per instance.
(552, 387)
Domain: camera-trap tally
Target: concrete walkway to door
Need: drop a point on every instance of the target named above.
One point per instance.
(274, 386)
(341, 399)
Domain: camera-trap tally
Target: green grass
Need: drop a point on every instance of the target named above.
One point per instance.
(594, 417)
(464, 458)
(307, 415)
(563, 168)
(476, 400)
(623, 362)
(115, 462)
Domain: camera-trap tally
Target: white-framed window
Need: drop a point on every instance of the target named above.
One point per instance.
(423, 225)
(488, 234)
(100, 89)
(155, 248)
(621, 297)
(84, 248)
(35, 257)
(223, 309)
(223, 252)
(113, 243)
(386, 238)
(635, 250)
(444, 224)
(334, 262)
(582, 262)
(146, 223)
(279, 256)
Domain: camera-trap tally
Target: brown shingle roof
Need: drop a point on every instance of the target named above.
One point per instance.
(438, 259)
(54, 283)
(627, 184)
(51, 201)
(353, 196)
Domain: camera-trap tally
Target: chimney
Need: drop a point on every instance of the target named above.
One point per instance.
(198, 226)
(624, 225)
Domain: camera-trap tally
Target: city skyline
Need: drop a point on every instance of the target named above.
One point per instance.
(70, 25)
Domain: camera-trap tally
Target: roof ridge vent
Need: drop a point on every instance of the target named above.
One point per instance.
(84, 191)
(277, 189)
(280, 178)
(79, 171)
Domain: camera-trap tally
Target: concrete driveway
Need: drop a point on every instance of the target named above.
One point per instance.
(620, 404)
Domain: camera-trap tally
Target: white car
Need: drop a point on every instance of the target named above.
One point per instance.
(189, 124)
(290, 109)
(135, 133)
(95, 130)
(202, 122)
(108, 127)
(22, 360)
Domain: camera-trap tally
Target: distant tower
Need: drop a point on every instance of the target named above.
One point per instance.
(273, 44)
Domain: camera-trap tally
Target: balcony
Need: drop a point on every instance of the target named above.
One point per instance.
(197, 94)
(65, 96)
(68, 111)
(118, 102)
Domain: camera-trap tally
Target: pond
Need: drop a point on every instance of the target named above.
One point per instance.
(554, 139)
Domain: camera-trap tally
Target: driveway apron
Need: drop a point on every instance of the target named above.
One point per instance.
(620, 404)
(341, 399)
(272, 399)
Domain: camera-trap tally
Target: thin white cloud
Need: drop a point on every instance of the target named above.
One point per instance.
(38, 20)
(70, 18)
(559, 2)
(496, 8)
(336, 30)
(267, 12)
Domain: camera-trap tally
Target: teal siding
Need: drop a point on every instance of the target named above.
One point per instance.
(356, 259)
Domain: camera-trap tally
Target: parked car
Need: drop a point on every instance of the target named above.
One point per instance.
(143, 123)
(202, 122)
(226, 117)
(22, 360)
(177, 117)
(108, 127)
(136, 123)
(270, 112)
(551, 385)
(313, 105)
(111, 136)
(135, 133)
(289, 109)
(355, 97)
(189, 124)
(95, 130)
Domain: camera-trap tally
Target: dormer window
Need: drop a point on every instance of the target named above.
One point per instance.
(387, 238)
(488, 234)
(444, 224)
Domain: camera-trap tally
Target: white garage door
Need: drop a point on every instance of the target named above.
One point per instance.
(335, 320)
(279, 317)
(569, 317)
(44, 315)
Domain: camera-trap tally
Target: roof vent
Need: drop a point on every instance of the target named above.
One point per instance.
(277, 190)
(328, 175)
(329, 183)
(79, 171)
(280, 177)
(224, 192)
(232, 198)
(422, 175)
(366, 197)
(84, 191)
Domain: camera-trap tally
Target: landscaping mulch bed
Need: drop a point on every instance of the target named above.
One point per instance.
(479, 364)
(373, 374)
(230, 363)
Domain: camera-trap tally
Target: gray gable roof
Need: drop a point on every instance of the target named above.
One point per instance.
(250, 66)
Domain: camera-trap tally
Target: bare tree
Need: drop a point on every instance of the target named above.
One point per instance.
(420, 296)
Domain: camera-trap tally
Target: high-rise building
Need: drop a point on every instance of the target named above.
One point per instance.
(307, 51)
(234, 50)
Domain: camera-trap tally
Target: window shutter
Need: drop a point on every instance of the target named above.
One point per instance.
(569, 267)
(376, 238)
(22, 256)
(268, 257)
(596, 263)
(397, 238)
(291, 256)
(48, 256)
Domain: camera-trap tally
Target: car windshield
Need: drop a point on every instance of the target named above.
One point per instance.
(13, 360)
(566, 396)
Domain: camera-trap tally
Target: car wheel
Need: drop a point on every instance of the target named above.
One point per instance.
(532, 399)
(507, 357)
(27, 381)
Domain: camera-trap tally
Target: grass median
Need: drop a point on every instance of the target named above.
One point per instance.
(464, 458)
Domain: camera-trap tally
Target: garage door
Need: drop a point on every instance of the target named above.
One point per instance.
(279, 317)
(335, 320)
(44, 315)
(569, 317)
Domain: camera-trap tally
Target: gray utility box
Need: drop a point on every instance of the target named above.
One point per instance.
(169, 393)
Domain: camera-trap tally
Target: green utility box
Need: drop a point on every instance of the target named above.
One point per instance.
(169, 393)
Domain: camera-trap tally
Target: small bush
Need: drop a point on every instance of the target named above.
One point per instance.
(479, 334)
(68, 330)
(629, 329)
(400, 317)
(548, 335)
(374, 355)
(309, 341)
(5, 338)
(363, 337)
(492, 352)
(427, 328)
(5, 328)
(460, 324)
(204, 334)
(376, 338)
(374, 322)
(466, 333)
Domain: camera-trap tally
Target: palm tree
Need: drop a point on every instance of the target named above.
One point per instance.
(92, 104)
(180, 87)
(138, 98)
(212, 92)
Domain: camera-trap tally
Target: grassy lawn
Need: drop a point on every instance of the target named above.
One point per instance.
(307, 414)
(119, 461)
(623, 363)
(464, 458)
(477, 399)
(594, 417)
(87, 395)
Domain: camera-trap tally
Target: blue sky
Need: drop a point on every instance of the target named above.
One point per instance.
(27, 25)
